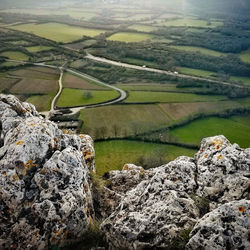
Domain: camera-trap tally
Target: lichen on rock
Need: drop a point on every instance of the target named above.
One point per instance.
(45, 189)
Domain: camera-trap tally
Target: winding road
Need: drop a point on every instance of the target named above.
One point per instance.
(170, 73)
(123, 94)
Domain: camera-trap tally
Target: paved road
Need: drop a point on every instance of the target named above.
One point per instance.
(132, 66)
(122, 96)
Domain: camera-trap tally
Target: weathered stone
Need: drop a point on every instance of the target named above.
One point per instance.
(157, 210)
(226, 227)
(223, 171)
(45, 192)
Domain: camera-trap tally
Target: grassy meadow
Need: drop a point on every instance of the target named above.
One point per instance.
(158, 97)
(58, 32)
(112, 155)
(236, 129)
(190, 23)
(15, 55)
(245, 56)
(34, 49)
(123, 120)
(129, 37)
(75, 97)
(195, 72)
(199, 49)
(142, 28)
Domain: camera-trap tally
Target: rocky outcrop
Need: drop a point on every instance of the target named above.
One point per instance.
(227, 227)
(45, 196)
(163, 208)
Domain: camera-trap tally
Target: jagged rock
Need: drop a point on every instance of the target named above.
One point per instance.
(45, 189)
(155, 212)
(223, 171)
(118, 183)
(226, 227)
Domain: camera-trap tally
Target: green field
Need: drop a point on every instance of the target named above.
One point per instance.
(236, 129)
(148, 86)
(190, 23)
(75, 97)
(34, 49)
(112, 155)
(199, 49)
(9, 64)
(41, 102)
(129, 37)
(143, 96)
(72, 12)
(122, 120)
(143, 28)
(245, 80)
(245, 56)
(195, 72)
(15, 55)
(58, 32)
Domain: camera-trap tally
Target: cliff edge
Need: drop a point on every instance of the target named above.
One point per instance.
(47, 197)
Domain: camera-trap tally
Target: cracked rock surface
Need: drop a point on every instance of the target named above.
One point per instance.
(171, 200)
(45, 196)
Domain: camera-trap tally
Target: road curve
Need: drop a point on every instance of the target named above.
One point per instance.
(170, 73)
(123, 94)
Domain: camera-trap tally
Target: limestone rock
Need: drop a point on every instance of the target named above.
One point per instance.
(156, 211)
(226, 227)
(45, 189)
(223, 171)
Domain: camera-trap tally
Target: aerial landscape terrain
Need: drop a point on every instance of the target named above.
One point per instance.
(147, 80)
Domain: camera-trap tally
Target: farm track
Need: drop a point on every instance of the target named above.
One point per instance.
(122, 96)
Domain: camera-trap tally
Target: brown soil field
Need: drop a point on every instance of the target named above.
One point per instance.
(71, 81)
(34, 86)
(37, 72)
(6, 83)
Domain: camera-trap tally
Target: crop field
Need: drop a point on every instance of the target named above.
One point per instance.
(34, 86)
(80, 45)
(72, 12)
(35, 49)
(10, 64)
(129, 37)
(122, 120)
(245, 56)
(58, 32)
(190, 23)
(244, 80)
(15, 55)
(199, 49)
(36, 73)
(148, 87)
(143, 28)
(143, 96)
(6, 83)
(196, 72)
(71, 81)
(75, 97)
(178, 111)
(112, 155)
(236, 129)
(41, 102)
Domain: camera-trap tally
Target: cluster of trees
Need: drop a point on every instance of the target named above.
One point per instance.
(170, 58)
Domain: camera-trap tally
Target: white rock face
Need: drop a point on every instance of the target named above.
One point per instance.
(45, 196)
(157, 210)
(226, 227)
(161, 210)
